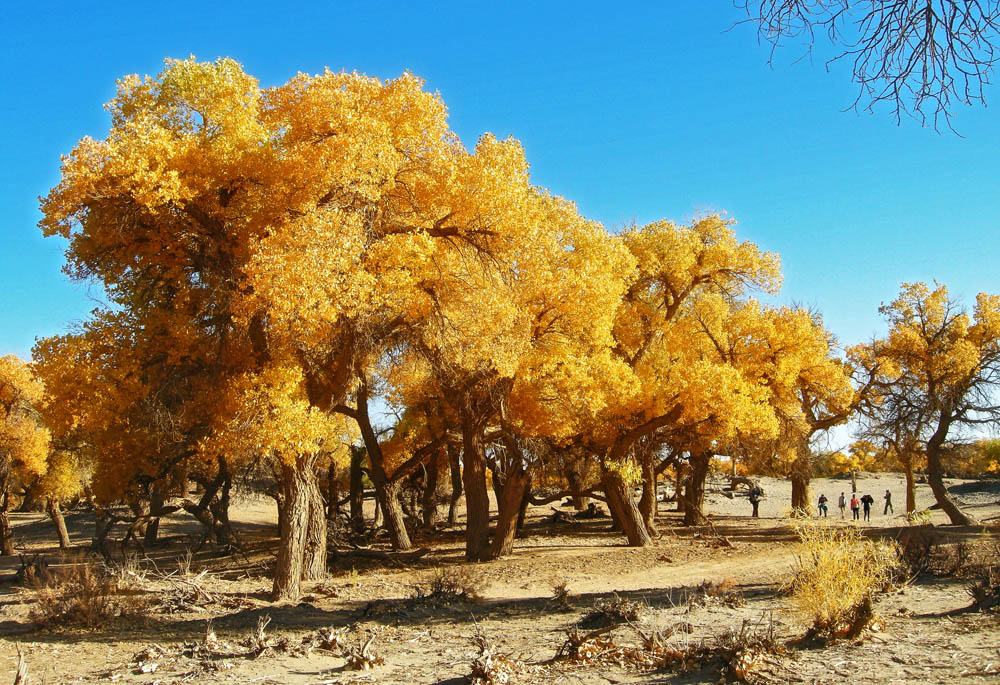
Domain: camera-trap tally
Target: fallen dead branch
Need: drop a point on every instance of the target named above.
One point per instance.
(21, 676)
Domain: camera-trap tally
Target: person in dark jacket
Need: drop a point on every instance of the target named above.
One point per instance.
(867, 501)
(822, 505)
(755, 500)
(888, 503)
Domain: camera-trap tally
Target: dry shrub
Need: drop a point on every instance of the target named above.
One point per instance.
(838, 574)
(451, 585)
(561, 596)
(724, 592)
(491, 667)
(82, 595)
(924, 551)
(611, 612)
(747, 653)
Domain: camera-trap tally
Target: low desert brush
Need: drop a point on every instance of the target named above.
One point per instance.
(838, 574)
(83, 595)
(452, 584)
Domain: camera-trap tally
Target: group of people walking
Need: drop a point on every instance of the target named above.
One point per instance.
(865, 502)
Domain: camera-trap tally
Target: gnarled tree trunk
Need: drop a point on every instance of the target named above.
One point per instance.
(648, 503)
(623, 508)
(694, 491)
(935, 478)
(911, 488)
(574, 478)
(296, 497)
(477, 501)
(6, 534)
(314, 555)
(800, 474)
(509, 505)
(55, 513)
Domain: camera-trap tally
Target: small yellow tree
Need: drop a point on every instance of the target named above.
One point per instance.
(24, 440)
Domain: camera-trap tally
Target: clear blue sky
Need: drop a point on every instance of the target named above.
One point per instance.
(647, 111)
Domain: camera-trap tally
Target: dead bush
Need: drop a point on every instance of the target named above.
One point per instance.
(654, 652)
(451, 585)
(747, 653)
(82, 595)
(986, 593)
(724, 592)
(491, 667)
(560, 597)
(361, 656)
(611, 612)
(838, 574)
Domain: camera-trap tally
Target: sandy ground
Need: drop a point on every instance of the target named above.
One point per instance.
(925, 637)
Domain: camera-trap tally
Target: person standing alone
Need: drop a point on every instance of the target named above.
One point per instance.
(888, 503)
(755, 500)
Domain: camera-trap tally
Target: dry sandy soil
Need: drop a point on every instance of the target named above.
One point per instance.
(924, 635)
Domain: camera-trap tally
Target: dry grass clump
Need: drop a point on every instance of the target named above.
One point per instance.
(83, 595)
(839, 572)
(451, 585)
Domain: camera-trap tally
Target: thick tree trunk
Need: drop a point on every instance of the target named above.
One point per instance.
(575, 481)
(55, 513)
(647, 503)
(911, 487)
(624, 509)
(477, 501)
(935, 478)
(357, 490)
(314, 556)
(455, 469)
(6, 534)
(219, 506)
(296, 497)
(800, 475)
(392, 513)
(694, 492)
(509, 506)
(428, 503)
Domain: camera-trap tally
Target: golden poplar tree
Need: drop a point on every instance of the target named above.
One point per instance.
(947, 362)
(24, 440)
